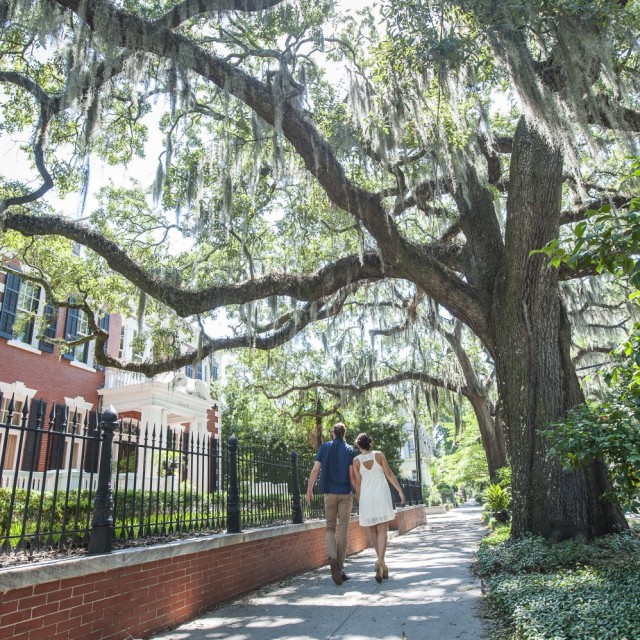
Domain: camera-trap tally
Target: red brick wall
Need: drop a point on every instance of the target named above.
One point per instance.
(52, 377)
(137, 600)
(408, 519)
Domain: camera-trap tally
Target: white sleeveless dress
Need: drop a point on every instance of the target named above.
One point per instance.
(375, 504)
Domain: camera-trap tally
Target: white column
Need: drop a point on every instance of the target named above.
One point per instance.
(152, 419)
(197, 429)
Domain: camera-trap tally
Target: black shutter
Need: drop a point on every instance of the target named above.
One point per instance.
(57, 435)
(33, 441)
(71, 329)
(50, 332)
(104, 325)
(9, 305)
(92, 445)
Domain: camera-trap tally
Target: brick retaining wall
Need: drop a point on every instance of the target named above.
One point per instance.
(132, 593)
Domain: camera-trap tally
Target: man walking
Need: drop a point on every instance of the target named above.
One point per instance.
(335, 458)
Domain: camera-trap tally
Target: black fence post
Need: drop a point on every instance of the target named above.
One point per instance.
(233, 493)
(102, 523)
(296, 502)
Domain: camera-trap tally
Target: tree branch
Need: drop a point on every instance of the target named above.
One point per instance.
(326, 280)
(38, 152)
(131, 32)
(191, 8)
(416, 376)
(311, 312)
(611, 115)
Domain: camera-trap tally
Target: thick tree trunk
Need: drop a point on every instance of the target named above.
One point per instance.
(536, 378)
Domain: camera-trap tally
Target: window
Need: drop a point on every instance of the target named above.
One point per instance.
(77, 326)
(123, 333)
(75, 425)
(23, 310)
(132, 345)
(16, 416)
(137, 347)
(197, 372)
(81, 352)
(26, 310)
(11, 453)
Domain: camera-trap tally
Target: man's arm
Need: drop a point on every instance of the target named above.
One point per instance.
(312, 480)
(354, 477)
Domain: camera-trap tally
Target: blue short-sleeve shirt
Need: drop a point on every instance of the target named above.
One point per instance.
(335, 457)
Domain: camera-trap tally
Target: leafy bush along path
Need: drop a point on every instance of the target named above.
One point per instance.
(569, 591)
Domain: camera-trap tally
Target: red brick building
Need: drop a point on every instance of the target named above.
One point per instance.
(33, 370)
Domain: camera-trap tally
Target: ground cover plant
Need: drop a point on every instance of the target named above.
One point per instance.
(571, 590)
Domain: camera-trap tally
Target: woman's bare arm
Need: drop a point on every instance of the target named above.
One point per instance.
(382, 461)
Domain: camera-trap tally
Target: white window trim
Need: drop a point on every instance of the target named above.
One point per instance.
(78, 403)
(42, 303)
(24, 345)
(130, 330)
(82, 365)
(18, 390)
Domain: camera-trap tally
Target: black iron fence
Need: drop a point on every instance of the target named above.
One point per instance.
(90, 480)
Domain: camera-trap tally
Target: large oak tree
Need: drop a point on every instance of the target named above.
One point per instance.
(309, 155)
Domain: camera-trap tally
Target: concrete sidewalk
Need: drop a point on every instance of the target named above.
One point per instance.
(430, 594)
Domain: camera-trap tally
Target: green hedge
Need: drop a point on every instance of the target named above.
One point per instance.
(131, 511)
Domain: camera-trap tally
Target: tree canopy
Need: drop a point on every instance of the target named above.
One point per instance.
(313, 156)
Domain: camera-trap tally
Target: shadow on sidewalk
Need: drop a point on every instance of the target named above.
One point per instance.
(430, 594)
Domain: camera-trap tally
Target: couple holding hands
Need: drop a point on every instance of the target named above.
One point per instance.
(367, 473)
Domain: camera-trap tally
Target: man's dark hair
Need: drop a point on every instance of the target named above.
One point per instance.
(339, 430)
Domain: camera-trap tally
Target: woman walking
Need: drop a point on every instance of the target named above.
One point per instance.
(371, 472)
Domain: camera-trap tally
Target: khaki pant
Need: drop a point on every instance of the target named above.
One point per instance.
(337, 507)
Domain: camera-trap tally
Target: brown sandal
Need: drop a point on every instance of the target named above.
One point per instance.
(378, 571)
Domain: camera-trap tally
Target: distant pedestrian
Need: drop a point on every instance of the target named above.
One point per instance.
(335, 459)
(371, 471)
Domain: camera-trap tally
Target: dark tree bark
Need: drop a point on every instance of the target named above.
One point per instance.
(536, 378)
